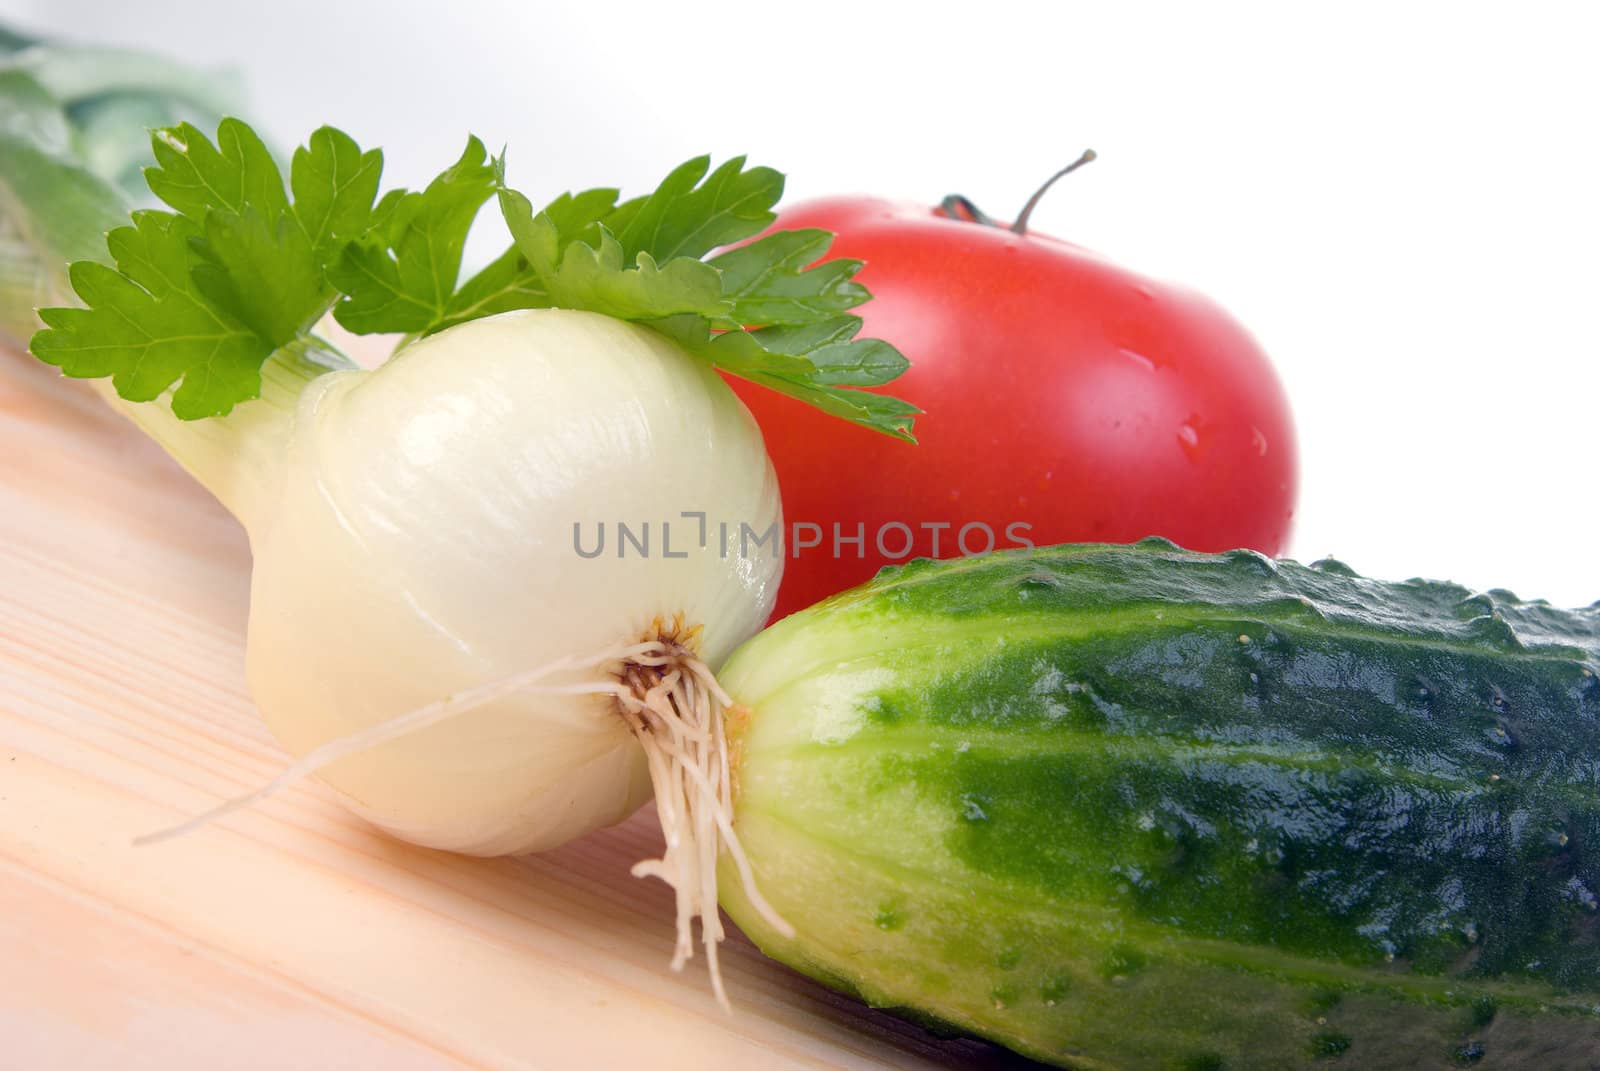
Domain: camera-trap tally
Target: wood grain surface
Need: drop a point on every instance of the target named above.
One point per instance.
(291, 936)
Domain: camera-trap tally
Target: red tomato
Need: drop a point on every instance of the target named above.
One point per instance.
(1062, 392)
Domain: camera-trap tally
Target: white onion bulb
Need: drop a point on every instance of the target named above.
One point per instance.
(418, 540)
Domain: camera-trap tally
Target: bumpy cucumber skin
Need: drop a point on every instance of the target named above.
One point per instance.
(1136, 807)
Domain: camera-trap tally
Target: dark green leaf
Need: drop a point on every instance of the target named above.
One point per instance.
(260, 261)
(768, 281)
(377, 300)
(576, 216)
(202, 297)
(544, 236)
(537, 236)
(685, 217)
(266, 275)
(880, 412)
(507, 283)
(383, 214)
(402, 278)
(840, 359)
(193, 175)
(148, 326)
(577, 275)
(334, 185)
(766, 311)
(814, 363)
(595, 279)
(739, 352)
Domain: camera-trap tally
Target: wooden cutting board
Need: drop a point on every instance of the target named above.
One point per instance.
(291, 936)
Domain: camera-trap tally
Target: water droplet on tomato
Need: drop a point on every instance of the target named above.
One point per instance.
(1189, 439)
(1138, 358)
(1258, 440)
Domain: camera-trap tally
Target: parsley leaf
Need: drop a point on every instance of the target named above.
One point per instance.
(597, 280)
(261, 271)
(206, 292)
(402, 277)
(578, 275)
(147, 324)
(576, 215)
(256, 262)
(264, 260)
(335, 185)
(640, 261)
(814, 363)
(685, 217)
(769, 283)
(193, 175)
(510, 281)
(244, 265)
(507, 283)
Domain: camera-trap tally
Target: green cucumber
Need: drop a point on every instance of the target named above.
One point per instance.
(1136, 807)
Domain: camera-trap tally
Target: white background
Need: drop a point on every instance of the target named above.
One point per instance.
(1399, 200)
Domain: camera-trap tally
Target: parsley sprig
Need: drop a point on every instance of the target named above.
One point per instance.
(243, 265)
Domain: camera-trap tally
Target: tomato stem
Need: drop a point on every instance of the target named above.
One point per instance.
(958, 207)
(1021, 225)
(961, 208)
